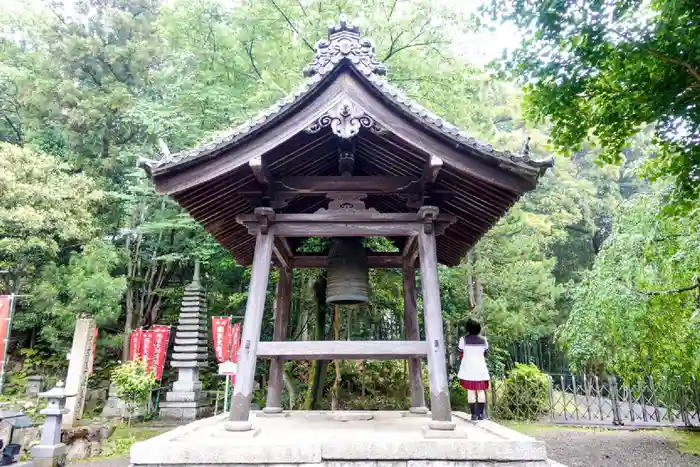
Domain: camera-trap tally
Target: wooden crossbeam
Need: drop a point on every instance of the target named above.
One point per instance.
(374, 261)
(260, 171)
(343, 350)
(432, 169)
(338, 184)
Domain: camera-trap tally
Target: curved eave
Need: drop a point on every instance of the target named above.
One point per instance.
(289, 105)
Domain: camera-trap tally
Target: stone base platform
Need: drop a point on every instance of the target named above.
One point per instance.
(340, 439)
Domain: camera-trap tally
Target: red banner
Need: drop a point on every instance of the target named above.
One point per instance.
(148, 348)
(94, 349)
(235, 341)
(135, 344)
(161, 341)
(221, 329)
(235, 345)
(5, 326)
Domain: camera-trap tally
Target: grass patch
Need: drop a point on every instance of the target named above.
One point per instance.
(533, 429)
(119, 444)
(688, 442)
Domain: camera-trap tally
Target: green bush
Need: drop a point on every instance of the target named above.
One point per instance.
(134, 384)
(522, 395)
(458, 397)
(375, 403)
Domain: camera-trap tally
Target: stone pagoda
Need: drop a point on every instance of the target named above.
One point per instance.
(187, 401)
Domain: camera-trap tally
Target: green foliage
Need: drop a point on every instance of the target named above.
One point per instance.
(522, 395)
(458, 397)
(95, 85)
(85, 286)
(637, 310)
(33, 362)
(604, 70)
(43, 205)
(134, 384)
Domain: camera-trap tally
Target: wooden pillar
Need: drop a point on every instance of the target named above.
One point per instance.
(252, 324)
(432, 316)
(410, 320)
(282, 305)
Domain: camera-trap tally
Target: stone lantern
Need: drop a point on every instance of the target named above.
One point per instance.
(51, 452)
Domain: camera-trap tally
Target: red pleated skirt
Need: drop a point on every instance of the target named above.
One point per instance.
(474, 385)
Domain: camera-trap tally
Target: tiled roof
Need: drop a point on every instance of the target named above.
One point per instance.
(345, 47)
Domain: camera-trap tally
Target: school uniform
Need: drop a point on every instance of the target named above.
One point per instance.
(473, 373)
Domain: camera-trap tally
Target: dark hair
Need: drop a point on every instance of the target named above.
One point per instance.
(473, 327)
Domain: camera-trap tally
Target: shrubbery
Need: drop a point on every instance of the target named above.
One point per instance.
(522, 395)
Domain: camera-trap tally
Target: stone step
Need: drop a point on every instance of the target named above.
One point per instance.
(196, 321)
(195, 341)
(193, 315)
(183, 404)
(189, 356)
(189, 396)
(198, 334)
(190, 348)
(188, 364)
(189, 327)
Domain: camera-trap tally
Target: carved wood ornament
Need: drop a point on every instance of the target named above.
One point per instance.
(345, 119)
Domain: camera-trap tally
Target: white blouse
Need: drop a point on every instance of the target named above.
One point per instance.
(473, 366)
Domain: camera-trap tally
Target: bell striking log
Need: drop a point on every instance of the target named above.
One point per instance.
(347, 274)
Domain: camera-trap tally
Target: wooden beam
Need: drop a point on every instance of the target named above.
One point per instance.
(374, 261)
(336, 229)
(432, 169)
(283, 254)
(282, 308)
(260, 171)
(346, 217)
(432, 317)
(343, 350)
(412, 331)
(343, 224)
(410, 251)
(336, 184)
(252, 325)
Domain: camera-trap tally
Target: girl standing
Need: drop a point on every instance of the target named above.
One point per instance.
(473, 373)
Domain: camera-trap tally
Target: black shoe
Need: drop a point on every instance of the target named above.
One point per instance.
(473, 411)
(480, 407)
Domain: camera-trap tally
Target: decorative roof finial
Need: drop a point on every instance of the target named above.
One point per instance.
(525, 149)
(344, 42)
(195, 277)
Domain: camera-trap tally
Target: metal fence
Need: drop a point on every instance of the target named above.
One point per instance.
(592, 400)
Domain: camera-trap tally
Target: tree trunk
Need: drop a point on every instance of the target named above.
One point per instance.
(318, 368)
(336, 383)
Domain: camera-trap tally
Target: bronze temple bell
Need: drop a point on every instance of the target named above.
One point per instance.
(348, 273)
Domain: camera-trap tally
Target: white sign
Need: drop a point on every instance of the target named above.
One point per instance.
(227, 368)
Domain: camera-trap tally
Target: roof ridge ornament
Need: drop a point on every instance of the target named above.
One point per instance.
(345, 43)
(345, 119)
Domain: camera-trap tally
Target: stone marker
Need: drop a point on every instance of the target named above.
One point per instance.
(187, 401)
(79, 369)
(35, 385)
(50, 452)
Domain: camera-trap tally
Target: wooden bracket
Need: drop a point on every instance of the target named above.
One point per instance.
(265, 216)
(428, 214)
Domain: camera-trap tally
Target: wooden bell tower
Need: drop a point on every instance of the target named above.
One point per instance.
(346, 155)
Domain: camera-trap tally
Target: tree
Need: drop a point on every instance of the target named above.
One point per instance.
(604, 70)
(87, 285)
(44, 208)
(637, 311)
(134, 383)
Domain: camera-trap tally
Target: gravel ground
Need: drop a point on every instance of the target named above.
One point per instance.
(613, 449)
